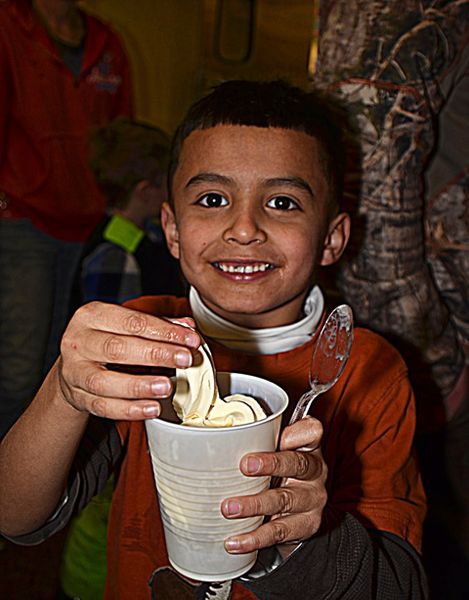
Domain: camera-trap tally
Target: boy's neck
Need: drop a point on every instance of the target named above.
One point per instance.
(253, 340)
(272, 319)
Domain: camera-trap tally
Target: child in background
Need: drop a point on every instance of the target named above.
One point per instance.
(127, 255)
(254, 211)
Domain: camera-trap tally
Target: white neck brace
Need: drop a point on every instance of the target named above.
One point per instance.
(259, 341)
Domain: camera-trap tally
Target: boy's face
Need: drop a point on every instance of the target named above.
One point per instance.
(250, 221)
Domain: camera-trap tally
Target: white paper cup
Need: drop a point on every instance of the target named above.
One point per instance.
(196, 468)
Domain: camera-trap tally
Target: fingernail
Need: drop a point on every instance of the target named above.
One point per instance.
(192, 340)
(151, 411)
(183, 358)
(160, 388)
(233, 508)
(253, 465)
(232, 545)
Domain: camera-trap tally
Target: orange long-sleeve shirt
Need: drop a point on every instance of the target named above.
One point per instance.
(369, 422)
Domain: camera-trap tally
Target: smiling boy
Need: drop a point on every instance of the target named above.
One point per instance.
(255, 182)
(248, 231)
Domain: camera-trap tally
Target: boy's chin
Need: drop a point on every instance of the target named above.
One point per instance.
(234, 309)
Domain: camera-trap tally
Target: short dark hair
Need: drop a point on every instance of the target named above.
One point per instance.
(126, 152)
(272, 104)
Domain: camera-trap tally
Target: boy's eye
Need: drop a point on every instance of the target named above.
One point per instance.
(212, 200)
(282, 203)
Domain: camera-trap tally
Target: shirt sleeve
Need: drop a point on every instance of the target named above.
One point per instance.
(374, 475)
(345, 560)
(97, 458)
(110, 274)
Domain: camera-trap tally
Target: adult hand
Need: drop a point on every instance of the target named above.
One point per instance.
(100, 334)
(296, 508)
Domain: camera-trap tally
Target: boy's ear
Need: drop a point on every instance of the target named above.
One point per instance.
(168, 222)
(336, 239)
(142, 189)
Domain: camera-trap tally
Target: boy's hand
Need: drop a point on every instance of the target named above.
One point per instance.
(100, 334)
(297, 507)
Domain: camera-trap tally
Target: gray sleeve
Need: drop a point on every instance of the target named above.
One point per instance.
(345, 561)
(97, 457)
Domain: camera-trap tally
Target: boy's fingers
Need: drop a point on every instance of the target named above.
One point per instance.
(106, 347)
(126, 321)
(124, 410)
(283, 500)
(96, 380)
(305, 465)
(101, 334)
(291, 529)
(115, 408)
(305, 434)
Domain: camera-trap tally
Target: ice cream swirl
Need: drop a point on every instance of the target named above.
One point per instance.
(197, 401)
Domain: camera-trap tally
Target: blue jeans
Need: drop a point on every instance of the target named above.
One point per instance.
(36, 275)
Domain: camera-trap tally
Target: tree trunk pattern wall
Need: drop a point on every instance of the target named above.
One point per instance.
(396, 64)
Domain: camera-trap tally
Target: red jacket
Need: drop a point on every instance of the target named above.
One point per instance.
(46, 117)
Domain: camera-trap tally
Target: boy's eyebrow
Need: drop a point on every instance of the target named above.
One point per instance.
(291, 181)
(208, 178)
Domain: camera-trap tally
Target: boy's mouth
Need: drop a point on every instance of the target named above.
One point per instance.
(243, 268)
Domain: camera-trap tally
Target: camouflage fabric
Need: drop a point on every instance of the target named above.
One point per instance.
(401, 66)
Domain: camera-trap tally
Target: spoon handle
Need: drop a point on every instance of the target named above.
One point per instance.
(302, 406)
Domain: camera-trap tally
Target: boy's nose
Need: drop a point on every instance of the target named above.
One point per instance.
(245, 228)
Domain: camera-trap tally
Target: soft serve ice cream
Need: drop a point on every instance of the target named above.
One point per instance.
(197, 401)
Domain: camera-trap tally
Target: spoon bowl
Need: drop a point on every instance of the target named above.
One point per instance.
(329, 357)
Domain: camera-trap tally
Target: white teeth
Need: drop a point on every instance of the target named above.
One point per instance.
(243, 269)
